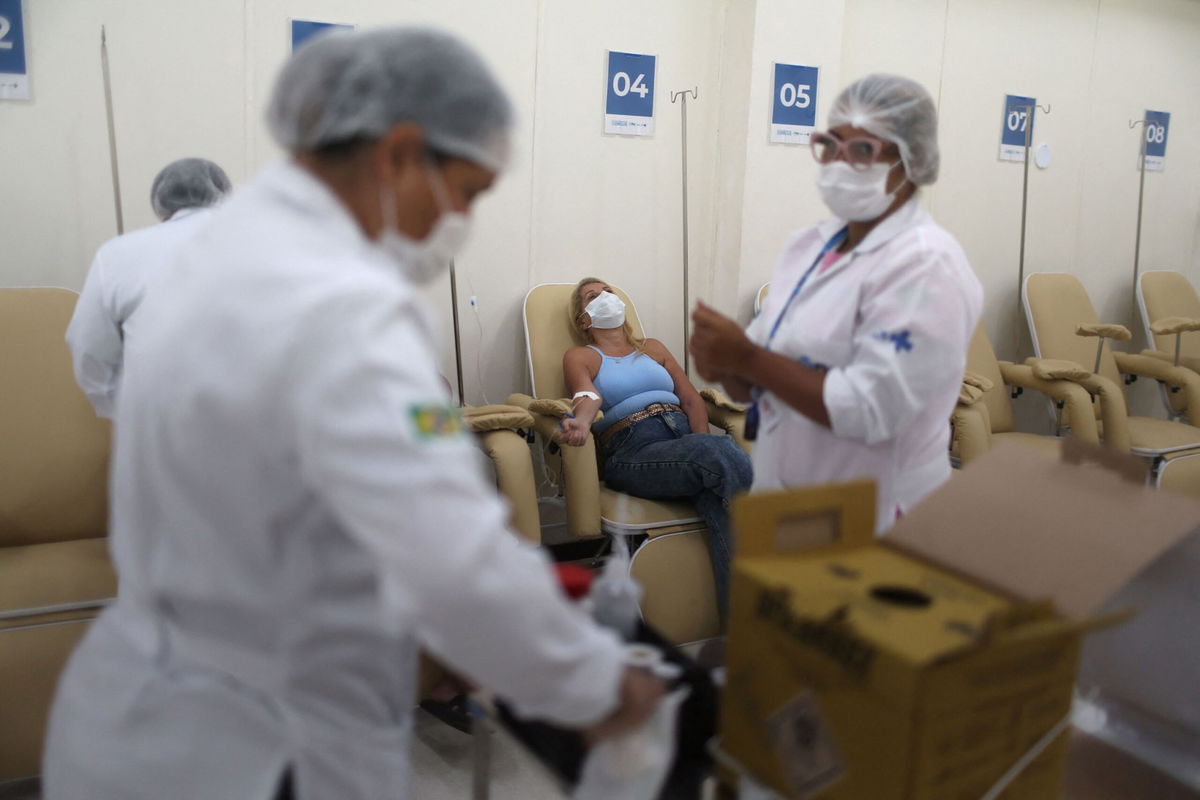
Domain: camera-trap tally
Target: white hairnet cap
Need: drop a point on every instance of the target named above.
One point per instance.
(898, 110)
(187, 183)
(343, 87)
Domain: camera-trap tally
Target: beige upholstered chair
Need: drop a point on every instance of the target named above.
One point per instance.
(1170, 310)
(680, 599)
(984, 415)
(54, 569)
(1064, 328)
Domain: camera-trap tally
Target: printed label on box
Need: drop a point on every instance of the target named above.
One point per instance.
(805, 746)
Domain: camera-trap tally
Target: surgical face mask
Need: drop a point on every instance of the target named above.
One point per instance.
(424, 259)
(606, 310)
(856, 195)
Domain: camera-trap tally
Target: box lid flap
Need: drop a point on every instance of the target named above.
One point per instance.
(1037, 526)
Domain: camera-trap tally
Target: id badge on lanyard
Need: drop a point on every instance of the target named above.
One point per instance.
(752, 413)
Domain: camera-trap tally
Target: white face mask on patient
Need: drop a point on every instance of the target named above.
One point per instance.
(606, 310)
(854, 195)
(424, 259)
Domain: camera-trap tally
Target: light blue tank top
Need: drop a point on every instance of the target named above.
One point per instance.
(628, 384)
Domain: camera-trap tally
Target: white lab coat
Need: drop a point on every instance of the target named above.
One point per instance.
(111, 293)
(891, 321)
(287, 531)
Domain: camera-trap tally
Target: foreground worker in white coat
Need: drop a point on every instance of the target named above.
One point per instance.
(182, 197)
(295, 508)
(855, 363)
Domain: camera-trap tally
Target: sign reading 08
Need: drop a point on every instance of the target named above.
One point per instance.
(1157, 123)
(629, 95)
(14, 76)
(794, 103)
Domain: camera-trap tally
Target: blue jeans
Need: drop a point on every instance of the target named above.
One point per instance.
(659, 458)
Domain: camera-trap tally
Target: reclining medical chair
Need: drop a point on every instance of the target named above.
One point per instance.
(1064, 329)
(984, 414)
(1170, 311)
(55, 574)
(673, 565)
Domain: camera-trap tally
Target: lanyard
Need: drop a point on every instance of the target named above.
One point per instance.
(836, 240)
(752, 413)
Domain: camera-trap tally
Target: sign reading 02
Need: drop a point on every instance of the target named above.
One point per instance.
(629, 95)
(14, 76)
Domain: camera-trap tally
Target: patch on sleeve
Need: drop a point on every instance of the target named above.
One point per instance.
(901, 339)
(437, 421)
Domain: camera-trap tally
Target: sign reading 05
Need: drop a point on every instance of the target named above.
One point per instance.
(794, 103)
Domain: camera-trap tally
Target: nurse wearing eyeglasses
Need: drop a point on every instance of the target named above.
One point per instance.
(854, 365)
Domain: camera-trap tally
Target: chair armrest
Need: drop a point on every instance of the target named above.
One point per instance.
(974, 387)
(1118, 333)
(1075, 398)
(519, 400)
(1113, 413)
(726, 415)
(1055, 369)
(1171, 325)
(1148, 364)
(1180, 378)
(969, 395)
(1191, 362)
(971, 431)
(717, 398)
(509, 452)
(482, 419)
(980, 382)
(580, 473)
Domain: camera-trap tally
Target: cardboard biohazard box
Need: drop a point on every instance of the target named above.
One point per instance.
(936, 662)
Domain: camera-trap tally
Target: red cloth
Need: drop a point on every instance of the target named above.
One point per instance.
(576, 581)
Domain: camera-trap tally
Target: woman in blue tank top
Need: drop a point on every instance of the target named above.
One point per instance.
(653, 439)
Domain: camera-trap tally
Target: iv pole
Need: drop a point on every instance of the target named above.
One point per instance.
(1137, 242)
(1032, 109)
(112, 131)
(462, 398)
(682, 98)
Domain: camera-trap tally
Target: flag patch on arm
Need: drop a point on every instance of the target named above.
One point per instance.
(437, 421)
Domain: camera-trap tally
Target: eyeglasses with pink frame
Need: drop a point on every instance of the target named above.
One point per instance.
(859, 152)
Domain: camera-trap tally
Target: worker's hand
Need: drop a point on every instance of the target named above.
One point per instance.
(640, 694)
(575, 432)
(718, 344)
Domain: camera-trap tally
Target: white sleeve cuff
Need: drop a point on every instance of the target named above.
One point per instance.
(847, 417)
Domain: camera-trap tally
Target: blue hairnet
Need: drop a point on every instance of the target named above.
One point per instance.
(898, 110)
(346, 86)
(187, 183)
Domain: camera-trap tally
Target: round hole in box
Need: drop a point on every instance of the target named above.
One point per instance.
(901, 596)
